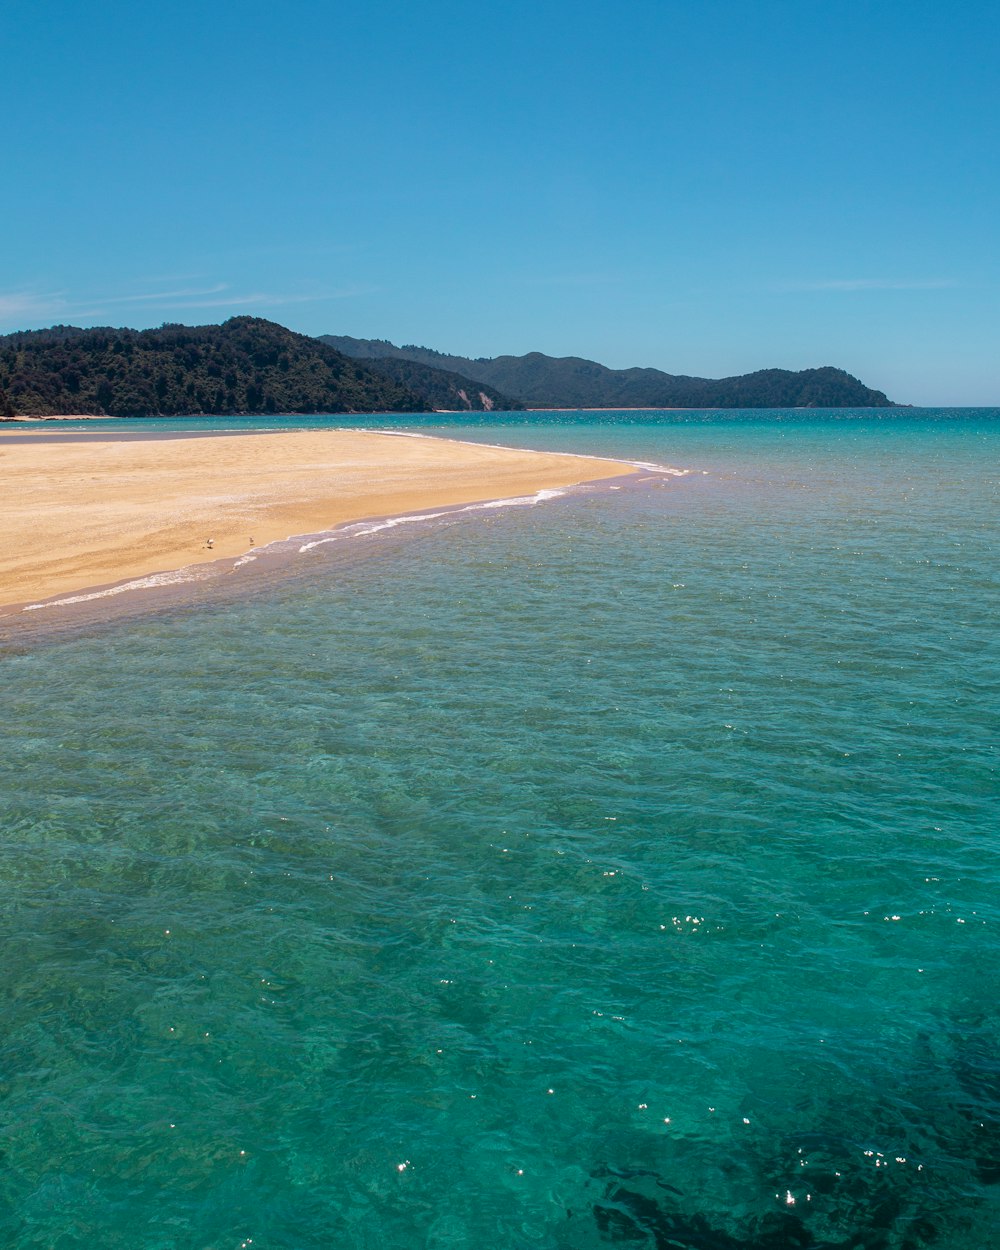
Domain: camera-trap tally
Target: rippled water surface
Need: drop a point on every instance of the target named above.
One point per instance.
(618, 870)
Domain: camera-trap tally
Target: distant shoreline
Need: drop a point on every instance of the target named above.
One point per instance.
(717, 408)
(62, 416)
(473, 413)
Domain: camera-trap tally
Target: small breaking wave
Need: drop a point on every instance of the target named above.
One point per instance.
(153, 581)
(363, 528)
(651, 467)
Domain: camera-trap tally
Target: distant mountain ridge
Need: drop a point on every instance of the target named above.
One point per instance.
(251, 366)
(541, 381)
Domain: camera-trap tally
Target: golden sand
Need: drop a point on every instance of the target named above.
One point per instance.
(95, 511)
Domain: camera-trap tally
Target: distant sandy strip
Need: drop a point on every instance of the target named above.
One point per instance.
(77, 514)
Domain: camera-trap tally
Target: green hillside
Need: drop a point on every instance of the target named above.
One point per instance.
(247, 365)
(442, 389)
(250, 366)
(541, 381)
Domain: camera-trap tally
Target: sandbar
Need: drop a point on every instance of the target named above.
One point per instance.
(93, 511)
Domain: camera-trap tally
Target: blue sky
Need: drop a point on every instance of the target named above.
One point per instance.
(706, 186)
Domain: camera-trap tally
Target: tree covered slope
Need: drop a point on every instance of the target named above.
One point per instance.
(572, 382)
(441, 388)
(247, 365)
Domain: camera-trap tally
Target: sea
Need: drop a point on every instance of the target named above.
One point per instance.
(613, 867)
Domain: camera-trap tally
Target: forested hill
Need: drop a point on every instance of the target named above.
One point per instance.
(247, 365)
(570, 382)
(442, 389)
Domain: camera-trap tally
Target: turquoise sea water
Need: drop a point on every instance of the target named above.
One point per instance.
(618, 870)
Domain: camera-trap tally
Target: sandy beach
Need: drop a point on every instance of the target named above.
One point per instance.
(92, 511)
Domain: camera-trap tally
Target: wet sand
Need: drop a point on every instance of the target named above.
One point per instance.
(95, 510)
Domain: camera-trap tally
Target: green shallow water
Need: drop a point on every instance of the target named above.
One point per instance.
(620, 870)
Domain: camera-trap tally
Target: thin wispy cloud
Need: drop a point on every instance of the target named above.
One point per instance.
(872, 284)
(21, 308)
(262, 299)
(29, 305)
(156, 297)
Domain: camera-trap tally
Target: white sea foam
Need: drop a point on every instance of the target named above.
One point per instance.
(651, 467)
(152, 582)
(517, 501)
(364, 528)
(359, 530)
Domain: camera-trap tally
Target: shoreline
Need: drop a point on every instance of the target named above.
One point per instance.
(88, 515)
(58, 416)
